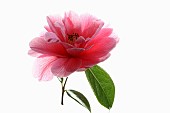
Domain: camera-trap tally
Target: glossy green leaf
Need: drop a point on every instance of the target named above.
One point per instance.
(79, 97)
(102, 85)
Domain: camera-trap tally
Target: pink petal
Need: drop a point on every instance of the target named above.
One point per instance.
(63, 67)
(86, 63)
(72, 23)
(51, 37)
(56, 26)
(34, 54)
(80, 40)
(67, 45)
(42, 68)
(101, 45)
(41, 46)
(98, 29)
(60, 30)
(104, 57)
(90, 25)
(75, 51)
(105, 32)
(81, 69)
(100, 48)
(47, 28)
(51, 23)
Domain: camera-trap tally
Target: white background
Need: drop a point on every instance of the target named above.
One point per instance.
(139, 65)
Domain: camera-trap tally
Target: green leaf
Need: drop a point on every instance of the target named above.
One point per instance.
(102, 85)
(80, 98)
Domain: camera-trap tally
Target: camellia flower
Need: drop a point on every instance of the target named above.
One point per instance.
(70, 44)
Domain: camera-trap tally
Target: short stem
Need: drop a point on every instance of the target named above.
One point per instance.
(62, 96)
(63, 90)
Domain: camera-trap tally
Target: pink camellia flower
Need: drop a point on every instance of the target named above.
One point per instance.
(70, 44)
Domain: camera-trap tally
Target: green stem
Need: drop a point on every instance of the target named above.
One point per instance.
(63, 90)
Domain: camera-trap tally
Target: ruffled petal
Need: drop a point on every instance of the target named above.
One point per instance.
(56, 25)
(105, 32)
(75, 51)
(89, 62)
(100, 45)
(100, 48)
(90, 25)
(104, 57)
(47, 28)
(67, 45)
(34, 54)
(80, 40)
(60, 30)
(42, 68)
(72, 23)
(51, 37)
(51, 20)
(63, 67)
(41, 46)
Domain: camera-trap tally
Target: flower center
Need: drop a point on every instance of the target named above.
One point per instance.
(73, 37)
